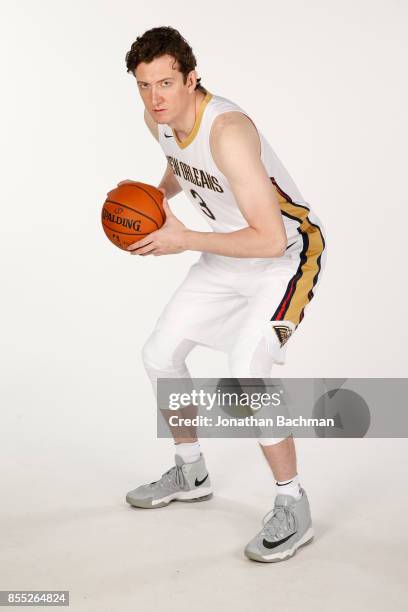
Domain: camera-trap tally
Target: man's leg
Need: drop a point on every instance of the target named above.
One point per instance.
(193, 316)
(281, 458)
(164, 356)
(253, 355)
(288, 525)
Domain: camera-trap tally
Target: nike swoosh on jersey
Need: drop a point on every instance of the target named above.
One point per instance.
(168, 135)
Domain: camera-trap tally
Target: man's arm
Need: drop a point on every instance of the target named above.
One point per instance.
(235, 147)
(169, 183)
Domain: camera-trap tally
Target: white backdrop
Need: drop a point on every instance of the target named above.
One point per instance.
(325, 81)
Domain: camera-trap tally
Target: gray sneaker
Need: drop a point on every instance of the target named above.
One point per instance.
(285, 528)
(186, 482)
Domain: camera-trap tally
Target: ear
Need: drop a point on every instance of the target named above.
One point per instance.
(192, 80)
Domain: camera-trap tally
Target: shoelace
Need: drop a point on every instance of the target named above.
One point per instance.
(278, 522)
(173, 476)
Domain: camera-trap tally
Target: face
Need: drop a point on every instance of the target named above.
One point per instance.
(162, 89)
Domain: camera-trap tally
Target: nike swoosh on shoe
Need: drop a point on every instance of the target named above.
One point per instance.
(268, 544)
(200, 482)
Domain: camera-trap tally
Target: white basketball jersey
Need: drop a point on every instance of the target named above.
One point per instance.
(208, 188)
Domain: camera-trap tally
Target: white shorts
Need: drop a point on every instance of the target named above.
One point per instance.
(247, 308)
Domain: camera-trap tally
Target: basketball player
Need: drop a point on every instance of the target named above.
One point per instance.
(258, 269)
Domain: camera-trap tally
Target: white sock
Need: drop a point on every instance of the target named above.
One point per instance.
(289, 487)
(188, 451)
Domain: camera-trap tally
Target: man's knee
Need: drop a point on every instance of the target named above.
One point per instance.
(165, 354)
(248, 360)
(154, 353)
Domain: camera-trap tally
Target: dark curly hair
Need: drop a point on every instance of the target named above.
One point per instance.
(162, 41)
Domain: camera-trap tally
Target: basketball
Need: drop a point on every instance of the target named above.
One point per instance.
(131, 211)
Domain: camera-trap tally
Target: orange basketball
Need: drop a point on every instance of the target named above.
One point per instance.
(132, 211)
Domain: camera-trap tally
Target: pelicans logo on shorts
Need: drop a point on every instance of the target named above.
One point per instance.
(283, 332)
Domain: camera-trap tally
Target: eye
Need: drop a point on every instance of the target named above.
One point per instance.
(165, 83)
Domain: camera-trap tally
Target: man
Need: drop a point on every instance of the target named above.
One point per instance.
(257, 273)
